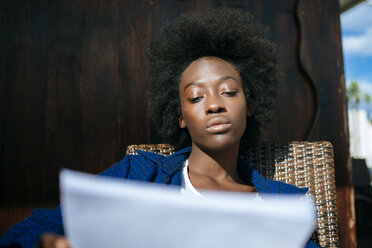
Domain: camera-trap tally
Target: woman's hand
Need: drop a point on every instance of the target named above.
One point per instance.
(51, 240)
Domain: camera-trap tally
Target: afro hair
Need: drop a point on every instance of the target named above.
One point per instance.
(231, 35)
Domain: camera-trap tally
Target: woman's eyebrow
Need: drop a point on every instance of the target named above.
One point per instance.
(228, 77)
(220, 80)
(190, 84)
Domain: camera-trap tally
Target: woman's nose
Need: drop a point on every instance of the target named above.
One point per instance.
(214, 105)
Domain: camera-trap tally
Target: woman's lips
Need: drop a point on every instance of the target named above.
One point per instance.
(218, 125)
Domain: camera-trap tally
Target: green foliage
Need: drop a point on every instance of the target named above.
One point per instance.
(353, 92)
(367, 98)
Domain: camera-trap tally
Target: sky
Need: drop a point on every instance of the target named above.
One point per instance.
(356, 28)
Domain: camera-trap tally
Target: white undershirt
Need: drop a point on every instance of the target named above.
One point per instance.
(187, 188)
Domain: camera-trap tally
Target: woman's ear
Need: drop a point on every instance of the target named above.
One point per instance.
(250, 109)
(182, 122)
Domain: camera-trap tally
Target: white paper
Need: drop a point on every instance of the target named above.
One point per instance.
(101, 212)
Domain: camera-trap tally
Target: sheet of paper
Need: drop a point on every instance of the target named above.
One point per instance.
(102, 212)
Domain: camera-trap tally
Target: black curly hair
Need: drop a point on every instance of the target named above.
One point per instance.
(224, 33)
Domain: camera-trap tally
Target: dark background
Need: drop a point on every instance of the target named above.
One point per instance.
(73, 88)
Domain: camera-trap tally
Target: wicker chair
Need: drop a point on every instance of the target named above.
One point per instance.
(303, 164)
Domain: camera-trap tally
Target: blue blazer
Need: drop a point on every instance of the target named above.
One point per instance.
(145, 166)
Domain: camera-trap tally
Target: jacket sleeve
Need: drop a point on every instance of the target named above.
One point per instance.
(27, 232)
(311, 244)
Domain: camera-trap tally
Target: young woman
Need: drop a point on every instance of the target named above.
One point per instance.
(213, 83)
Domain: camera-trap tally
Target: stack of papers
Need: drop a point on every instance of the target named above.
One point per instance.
(102, 212)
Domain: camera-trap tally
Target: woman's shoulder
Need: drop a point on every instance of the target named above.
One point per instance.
(131, 165)
(264, 185)
(145, 165)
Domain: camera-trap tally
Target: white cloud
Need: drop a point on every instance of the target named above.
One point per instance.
(358, 18)
(358, 45)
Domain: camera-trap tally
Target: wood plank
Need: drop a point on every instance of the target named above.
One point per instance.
(321, 56)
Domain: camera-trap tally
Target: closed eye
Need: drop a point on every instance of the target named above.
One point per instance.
(230, 93)
(195, 99)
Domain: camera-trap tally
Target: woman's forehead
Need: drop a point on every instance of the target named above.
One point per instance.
(209, 69)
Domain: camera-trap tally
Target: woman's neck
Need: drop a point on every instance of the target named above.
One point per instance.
(216, 165)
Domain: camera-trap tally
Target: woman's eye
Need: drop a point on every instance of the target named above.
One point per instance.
(195, 99)
(230, 93)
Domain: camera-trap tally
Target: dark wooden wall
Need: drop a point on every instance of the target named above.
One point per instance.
(73, 88)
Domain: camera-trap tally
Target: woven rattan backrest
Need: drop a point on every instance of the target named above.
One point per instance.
(303, 164)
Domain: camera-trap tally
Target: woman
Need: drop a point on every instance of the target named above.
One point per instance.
(213, 82)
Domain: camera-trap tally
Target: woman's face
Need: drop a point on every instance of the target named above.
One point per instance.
(214, 108)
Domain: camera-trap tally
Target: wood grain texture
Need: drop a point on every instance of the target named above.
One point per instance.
(321, 57)
(73, 88)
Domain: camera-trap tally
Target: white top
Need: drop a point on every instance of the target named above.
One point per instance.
(187, 188)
